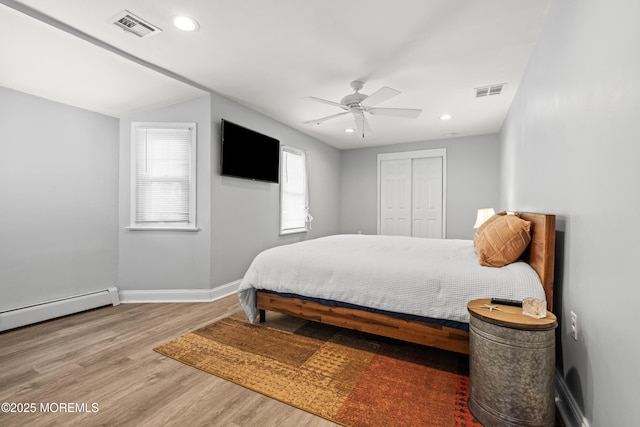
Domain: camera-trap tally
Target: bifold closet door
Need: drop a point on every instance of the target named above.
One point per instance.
(411, 197)
(426, 212)
(395, 197)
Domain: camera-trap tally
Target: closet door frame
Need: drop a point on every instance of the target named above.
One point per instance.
(436, 152)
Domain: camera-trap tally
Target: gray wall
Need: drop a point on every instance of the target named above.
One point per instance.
(245, 214)
(238, 218)
(66, 181)
(59, 198)
(570, 146)
(472, 182)
(161, 260)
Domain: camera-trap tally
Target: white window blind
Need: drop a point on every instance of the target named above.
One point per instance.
(294, 196)
(163, 175)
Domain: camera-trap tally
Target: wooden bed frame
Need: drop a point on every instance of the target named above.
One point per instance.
(540, 255)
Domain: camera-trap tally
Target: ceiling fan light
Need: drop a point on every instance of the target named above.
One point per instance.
(446, 117)
(360, 105)
(185, 23)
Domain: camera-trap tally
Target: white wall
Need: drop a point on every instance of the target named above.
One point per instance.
(58, 200)
(167, 260)
(570, 146)
(238, 218)
(245, 214)
(472, 182)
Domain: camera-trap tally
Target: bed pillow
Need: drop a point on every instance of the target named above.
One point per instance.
(502, 239)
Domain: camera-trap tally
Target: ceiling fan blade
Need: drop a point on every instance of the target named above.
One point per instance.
(324, 119)
(396, 112)
(380, 95)
(362, 125)
(325, 101)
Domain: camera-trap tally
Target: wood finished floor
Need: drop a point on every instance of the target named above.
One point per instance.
(105, 356)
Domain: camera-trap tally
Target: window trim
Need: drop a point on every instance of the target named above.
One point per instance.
(299, 152)
(191, 225)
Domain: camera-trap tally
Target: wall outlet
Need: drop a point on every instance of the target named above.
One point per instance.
(573, 326)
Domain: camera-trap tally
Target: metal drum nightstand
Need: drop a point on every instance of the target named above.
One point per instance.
(511, 366)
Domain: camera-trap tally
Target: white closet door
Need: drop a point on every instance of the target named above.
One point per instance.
(411, 193)
(395, 197)
(427, 197)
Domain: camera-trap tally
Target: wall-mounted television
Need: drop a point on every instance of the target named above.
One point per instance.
(248, 154)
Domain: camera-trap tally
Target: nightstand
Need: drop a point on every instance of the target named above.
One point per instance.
(511, 366)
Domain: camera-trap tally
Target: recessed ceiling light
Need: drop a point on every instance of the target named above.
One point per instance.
(185, 23)
(349, 130)
(446, 117)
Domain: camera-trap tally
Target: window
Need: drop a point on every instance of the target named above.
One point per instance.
(294, 195)
(163, 178)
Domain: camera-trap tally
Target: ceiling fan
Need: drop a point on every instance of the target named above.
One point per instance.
(358, 104)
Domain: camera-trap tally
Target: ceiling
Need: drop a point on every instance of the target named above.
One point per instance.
(272, 55)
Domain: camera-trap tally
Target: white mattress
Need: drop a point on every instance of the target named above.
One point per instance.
(424, 277)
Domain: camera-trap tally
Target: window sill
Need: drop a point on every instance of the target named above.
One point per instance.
(293, 231)
(157, 228)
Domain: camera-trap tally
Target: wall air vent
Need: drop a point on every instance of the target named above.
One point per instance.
(489, 90)
(133, 24)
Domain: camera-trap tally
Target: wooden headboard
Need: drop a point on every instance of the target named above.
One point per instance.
(540, 254)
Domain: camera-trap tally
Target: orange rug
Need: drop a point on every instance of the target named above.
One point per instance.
(347, 377)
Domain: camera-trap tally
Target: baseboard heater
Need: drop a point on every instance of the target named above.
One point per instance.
(60, 307)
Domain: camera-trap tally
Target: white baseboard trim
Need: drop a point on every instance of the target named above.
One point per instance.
(57, 308)
(567, 406)
(178, 295)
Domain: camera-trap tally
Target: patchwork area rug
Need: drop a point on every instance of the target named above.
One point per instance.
(344, 376)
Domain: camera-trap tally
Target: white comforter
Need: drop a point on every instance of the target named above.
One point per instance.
(425, 277)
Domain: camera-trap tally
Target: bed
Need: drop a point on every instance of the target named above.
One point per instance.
(340, 280)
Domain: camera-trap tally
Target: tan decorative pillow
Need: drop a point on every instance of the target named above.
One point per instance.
(502, 239)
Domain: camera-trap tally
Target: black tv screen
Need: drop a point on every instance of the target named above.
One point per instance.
(248, 154)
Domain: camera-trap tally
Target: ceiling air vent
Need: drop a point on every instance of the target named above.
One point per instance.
(489, 90)
(134, 24)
